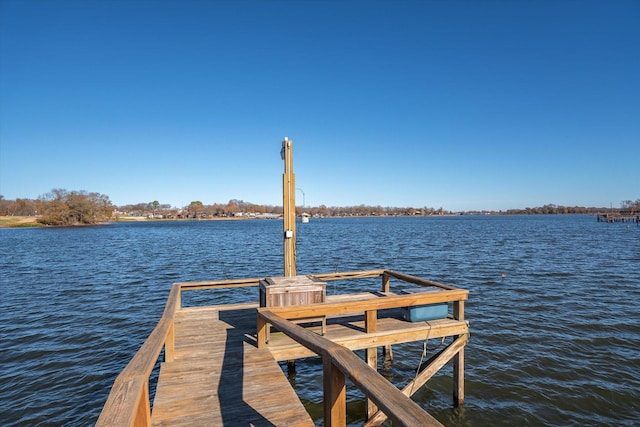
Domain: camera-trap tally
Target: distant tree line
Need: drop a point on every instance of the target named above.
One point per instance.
(625, 205)
(62, 207)
(197, 209)
(630, 205)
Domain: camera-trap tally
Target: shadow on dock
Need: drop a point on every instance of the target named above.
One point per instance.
(231, 388)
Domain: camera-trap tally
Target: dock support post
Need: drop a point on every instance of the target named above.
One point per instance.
(143, 414)
(458, 360)
(386, 288)
(386, 279)
(261, 332)
(458, 378)
(371, 354)
(335, 394)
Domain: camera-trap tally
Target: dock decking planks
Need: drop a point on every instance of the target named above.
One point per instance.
(219, 377)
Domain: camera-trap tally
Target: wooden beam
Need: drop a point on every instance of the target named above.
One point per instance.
(383, 302)
(390, 332)
(371, 354)
(435, 364)
(216, 284)
(416, 280)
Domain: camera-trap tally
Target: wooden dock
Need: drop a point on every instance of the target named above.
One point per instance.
(219, 376)
(619, 217)
(220, 370)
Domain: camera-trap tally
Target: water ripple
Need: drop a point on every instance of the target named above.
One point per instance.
(553, 342)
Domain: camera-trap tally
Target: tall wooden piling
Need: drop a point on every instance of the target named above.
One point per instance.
(289, 206)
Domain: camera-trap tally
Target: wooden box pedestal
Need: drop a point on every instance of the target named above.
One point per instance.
(295, 290)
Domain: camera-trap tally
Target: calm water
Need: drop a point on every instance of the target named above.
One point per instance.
(553, 343)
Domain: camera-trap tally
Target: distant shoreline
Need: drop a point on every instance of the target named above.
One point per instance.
(19, 222)
(32, 221)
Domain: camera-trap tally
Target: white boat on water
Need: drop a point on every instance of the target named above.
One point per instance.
(304, 217)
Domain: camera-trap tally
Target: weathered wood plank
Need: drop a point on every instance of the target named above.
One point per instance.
(335, 395)
(219, 378)
(417, 280)
(381, 303)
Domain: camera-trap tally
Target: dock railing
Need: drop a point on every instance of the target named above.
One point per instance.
(128, 403)
(340, 363)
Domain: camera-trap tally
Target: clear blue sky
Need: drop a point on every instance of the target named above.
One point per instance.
(456, 104)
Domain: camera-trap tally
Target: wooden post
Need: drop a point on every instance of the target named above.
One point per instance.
(261, 328)
(289, 207)
(170, 343)
(386, 288)
(458, 360)
(143, 414)
(335, 394)
(371, 354)
(388, 353)
(386, 279)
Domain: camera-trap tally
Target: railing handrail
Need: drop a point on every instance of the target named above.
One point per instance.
(399, 408)
(417, 280)
(381, 303)
(234, 283)
(212, 284)
(128, 401)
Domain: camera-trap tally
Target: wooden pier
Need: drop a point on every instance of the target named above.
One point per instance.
(220, 369)
(619, 217)
(219, 376)
(221, 362)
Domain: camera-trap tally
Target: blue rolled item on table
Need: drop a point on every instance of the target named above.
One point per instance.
(420, 313)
